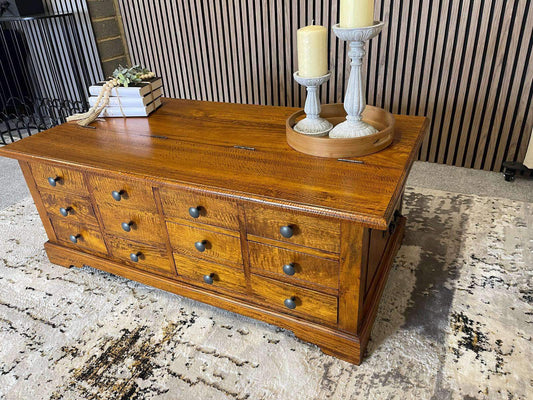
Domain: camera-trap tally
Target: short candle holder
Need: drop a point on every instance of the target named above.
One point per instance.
(312, 124)
(354, 100)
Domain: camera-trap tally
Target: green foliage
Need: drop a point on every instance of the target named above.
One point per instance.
(126, 75)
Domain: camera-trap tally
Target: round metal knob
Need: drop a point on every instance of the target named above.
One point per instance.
(290, 303)
(286, 231)
(209, 278)
(53, 181)
(200, 246)
(74, 238)
(135, 256)
(289, 269)
(117, 195)
(65, 211)
(194, 211)
(127, 226)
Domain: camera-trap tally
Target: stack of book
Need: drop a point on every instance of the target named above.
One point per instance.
(136, 100)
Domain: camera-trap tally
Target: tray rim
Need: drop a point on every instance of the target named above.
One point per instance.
(324, 146)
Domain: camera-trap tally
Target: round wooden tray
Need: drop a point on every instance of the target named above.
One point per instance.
(350, 147)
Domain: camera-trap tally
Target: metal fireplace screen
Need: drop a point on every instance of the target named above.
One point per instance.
(43, 74)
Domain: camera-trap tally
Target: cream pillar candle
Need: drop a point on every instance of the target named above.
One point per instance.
(356, 13)
(312, 51)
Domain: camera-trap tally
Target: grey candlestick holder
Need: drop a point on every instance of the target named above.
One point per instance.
(312, 124)
(354, 100)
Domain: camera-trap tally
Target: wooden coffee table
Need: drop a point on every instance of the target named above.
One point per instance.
(208, 201)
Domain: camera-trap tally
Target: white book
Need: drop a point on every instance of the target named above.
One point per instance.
(130, 101)
(133, 90)
(131, 111)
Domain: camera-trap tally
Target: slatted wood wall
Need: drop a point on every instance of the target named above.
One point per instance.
(52, 51)
(465, 64)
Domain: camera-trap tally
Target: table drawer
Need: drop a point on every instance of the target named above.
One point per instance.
(124, 193)
(209, 275)
(220, 246)
(69, 207)
(298, 267)
(80, 236)
(306, 230)
(140, 255)
(195, 207)
(59, 178)
(139, 225)
(308, 303)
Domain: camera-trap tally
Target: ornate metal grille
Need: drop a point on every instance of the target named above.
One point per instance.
(43, 74)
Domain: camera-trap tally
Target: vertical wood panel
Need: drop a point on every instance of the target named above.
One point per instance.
(464, 63)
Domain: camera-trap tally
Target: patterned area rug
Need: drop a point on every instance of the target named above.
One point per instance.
(455, 322)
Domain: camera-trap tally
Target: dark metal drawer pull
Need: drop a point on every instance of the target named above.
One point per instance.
(200, 246)
(117, 195)
(74, 238)
(289, 269)
(209, 278)
(290, 303)
(135, 256)
(65, 211)
(194, 211)
(286, 231)
(53, 181)
(127, 226)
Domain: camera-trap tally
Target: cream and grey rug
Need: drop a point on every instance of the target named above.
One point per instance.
(455, 322)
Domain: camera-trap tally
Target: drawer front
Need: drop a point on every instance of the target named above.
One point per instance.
(220, 246)
(209, 275)
(196, 207)
(124, 193)
(62, 179)
(300, 267)
(140, 255)
(308, 304)
(143, 226)
(87, 238)
(317, 232)
(69, 207)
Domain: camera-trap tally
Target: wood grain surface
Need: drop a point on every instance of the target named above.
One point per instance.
(68, 179)
(213, 210)
(309, 231)
(321, 273)
(79, 208)
(310, 304)
(193, 270)
(135, 194)
(329, 248)
(187, 142)
(222, 245)
(324, 146)
(151, 258)
(89, 238)
(331, 341)
(146, 227)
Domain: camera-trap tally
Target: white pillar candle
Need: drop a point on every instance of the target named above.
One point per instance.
(356, 13)
(312, 51)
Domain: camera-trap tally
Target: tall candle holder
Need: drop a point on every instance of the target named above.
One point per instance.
(312, 124)
(354, 100)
